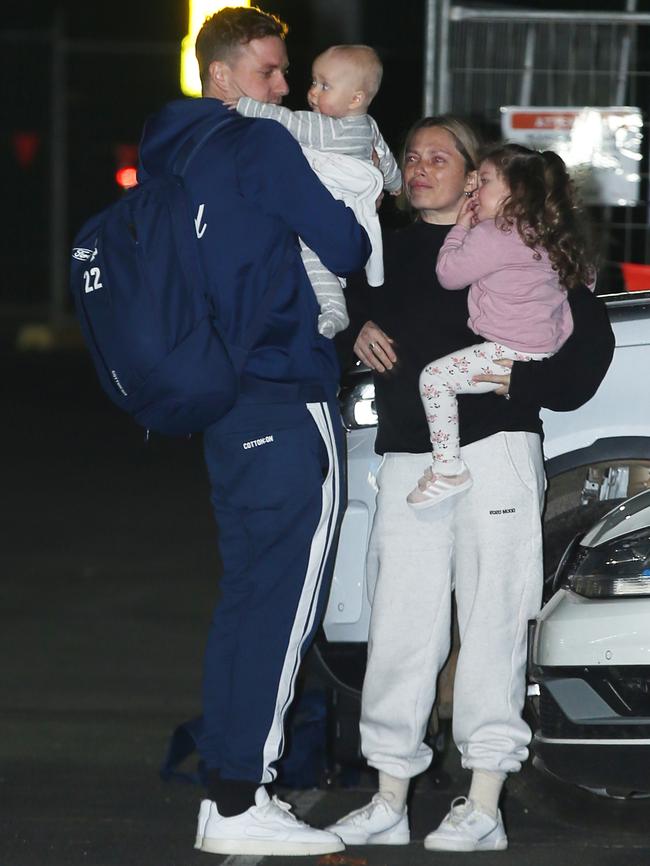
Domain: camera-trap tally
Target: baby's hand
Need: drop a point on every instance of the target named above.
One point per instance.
(230, 103)
(397, 192)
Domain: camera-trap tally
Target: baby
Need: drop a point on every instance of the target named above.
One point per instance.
(340, 140)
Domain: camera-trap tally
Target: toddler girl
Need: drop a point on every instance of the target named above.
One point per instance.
(519, 243)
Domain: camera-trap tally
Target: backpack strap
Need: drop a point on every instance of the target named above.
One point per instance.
(194, 143)
(181, 163)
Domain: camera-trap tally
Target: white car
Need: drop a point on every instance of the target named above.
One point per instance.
(590, 658)
(595, 454)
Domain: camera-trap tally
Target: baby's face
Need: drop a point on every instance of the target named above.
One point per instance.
(335, 88)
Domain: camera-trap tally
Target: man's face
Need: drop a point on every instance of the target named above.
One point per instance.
(257, 69)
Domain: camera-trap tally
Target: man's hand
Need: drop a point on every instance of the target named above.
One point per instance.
(375, 348)
(502, 381)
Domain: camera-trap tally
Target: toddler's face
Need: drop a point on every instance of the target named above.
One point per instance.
(491, 194)
(333, 88)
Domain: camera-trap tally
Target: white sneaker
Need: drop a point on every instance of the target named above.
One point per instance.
(374, 824)
(267, 828)
(204, 814)
(464, 828)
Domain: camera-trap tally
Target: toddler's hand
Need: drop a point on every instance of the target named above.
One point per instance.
(397, 192)
(466, 215)
(230, 103)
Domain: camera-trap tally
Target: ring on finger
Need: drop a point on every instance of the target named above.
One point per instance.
(371, 346)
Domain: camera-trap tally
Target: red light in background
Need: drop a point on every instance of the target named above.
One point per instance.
(25, 146)
(127, 176)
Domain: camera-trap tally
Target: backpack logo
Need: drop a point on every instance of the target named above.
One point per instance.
(197, 222)
(81, 254)
(92, 280)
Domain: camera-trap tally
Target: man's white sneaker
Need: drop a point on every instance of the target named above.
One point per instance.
(204, 814)
(268, 828)
(464, 828)
(374, 824)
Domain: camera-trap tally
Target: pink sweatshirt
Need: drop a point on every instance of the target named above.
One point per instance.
(514, 298)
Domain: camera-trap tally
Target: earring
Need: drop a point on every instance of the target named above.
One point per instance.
(468, 194)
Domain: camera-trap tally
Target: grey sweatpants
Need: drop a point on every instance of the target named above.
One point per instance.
(487, 546)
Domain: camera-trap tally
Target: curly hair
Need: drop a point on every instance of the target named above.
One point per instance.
(543, 205)
(223, 32)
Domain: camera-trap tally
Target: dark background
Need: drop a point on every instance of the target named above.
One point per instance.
(112, 85)
(121, 66)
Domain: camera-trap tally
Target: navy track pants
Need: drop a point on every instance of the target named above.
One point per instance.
(278, 493)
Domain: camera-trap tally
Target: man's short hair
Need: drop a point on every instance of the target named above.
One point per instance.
(223, 33)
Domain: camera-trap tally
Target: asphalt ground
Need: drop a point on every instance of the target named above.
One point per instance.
(109, 573)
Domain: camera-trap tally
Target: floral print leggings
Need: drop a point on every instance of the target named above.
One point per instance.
(442, 381)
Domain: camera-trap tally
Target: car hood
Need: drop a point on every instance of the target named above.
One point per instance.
(630, 516)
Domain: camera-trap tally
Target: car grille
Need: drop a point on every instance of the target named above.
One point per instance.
(554, 724)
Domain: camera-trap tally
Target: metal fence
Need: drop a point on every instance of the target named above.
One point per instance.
(60, 92)
(482, 59)
(476, 60)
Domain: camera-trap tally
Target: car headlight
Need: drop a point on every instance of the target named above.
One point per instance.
(358, 407)
(614, 569)
(357, 401)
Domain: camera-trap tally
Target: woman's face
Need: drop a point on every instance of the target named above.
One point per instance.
(435, 177)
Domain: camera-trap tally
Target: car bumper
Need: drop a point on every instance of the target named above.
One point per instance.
(614, 766)
(591, 661)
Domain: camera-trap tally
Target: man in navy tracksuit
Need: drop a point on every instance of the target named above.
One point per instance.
(275, 461)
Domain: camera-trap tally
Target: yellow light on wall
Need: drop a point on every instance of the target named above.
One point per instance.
(199, 10)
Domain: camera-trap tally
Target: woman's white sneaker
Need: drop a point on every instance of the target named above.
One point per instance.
(464, 828)
(374, 824)
(268, 828)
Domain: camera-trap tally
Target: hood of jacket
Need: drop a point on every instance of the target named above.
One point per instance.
(165, 132)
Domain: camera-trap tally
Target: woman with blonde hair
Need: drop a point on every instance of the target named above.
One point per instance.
(416, 559)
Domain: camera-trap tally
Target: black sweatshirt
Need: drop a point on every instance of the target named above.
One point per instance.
(427, 322)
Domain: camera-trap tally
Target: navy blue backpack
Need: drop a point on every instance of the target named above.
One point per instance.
(141, 297)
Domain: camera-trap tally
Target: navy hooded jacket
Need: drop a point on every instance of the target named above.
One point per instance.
(253, 194)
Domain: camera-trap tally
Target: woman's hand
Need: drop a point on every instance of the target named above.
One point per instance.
(375, 348)
(502, 381)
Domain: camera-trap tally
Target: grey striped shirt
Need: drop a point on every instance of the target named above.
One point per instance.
(354, 136)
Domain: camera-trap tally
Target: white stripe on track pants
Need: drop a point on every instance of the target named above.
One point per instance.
(485, 544)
